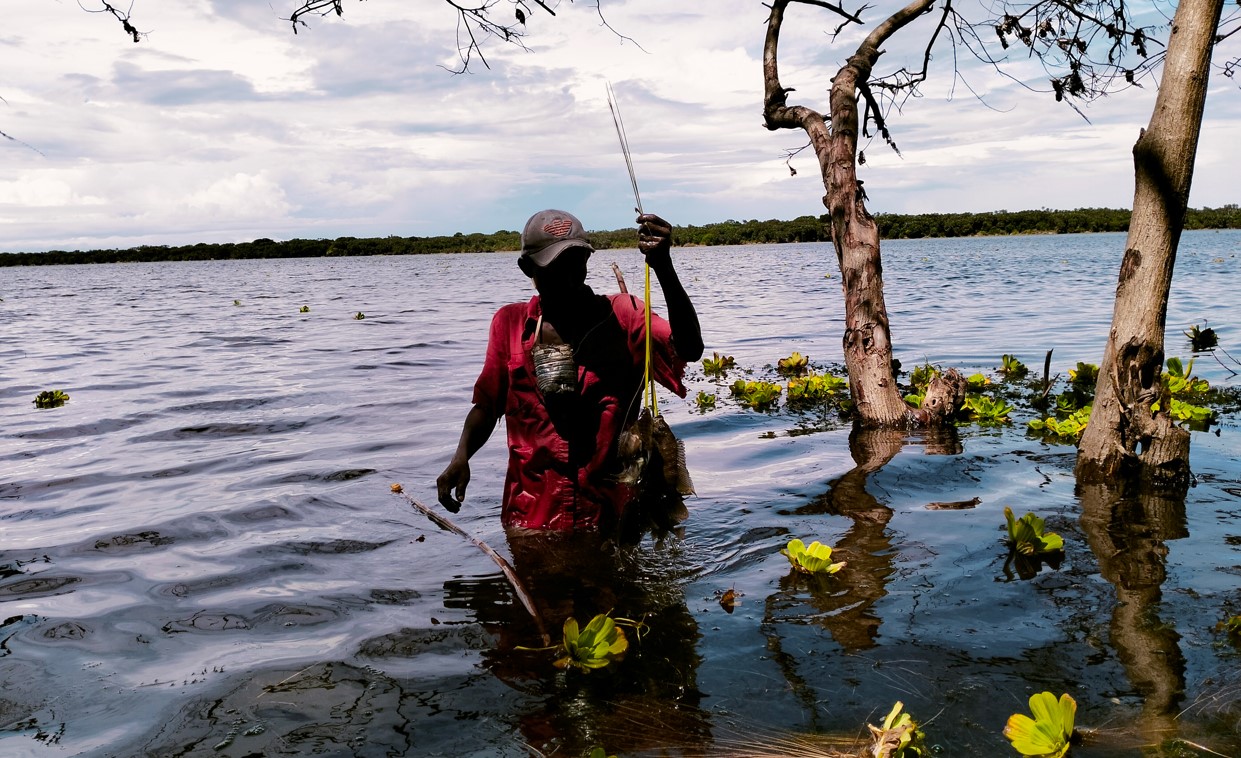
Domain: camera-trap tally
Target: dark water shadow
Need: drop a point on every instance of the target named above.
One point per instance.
(647, 701)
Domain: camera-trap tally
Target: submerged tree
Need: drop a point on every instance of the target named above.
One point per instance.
(855, 235)
(1126, 437)
(1089, 48)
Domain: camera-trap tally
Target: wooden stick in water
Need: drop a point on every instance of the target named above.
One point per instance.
(1047, 373)
(505, 567)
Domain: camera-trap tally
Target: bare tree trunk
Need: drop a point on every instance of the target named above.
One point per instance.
(1124, 439)
(867, 337)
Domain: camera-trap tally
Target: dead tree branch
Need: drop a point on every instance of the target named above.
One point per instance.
(122, 16)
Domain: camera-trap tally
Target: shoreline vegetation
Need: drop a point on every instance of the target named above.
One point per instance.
(731, 232)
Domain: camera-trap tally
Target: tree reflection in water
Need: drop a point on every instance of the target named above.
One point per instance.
(1127, 536)
(844, 603)
(846, 611)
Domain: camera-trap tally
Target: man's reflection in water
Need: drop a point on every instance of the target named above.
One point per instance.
(1127, 537)
(648, 700)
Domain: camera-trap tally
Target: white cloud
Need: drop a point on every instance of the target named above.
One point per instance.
(223, 125)
(241, 196)
(42, 189)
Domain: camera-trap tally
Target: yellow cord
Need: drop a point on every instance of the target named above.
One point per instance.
(648, 380)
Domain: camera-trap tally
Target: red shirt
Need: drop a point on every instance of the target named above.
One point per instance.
(562, 462)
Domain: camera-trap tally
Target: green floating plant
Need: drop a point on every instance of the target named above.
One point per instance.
(596, 646)
(598, 752)
(304, 309)
(1011, 368)
(1180, 410)
(793, 365)
(815, 389)
(1050, 732)
(236, 302)
(921, 377)
(815, 559)
(915, 400)
(360, 315)
(1231, 628)
(1063, 430)
(1201, 340)
(899, 737)
(1026, 535)
(1085, 375)
(704, 401)
(717, 365)
(50, 399)
(987, 410)
(1182, 384)
(1180, 380)
(757, 395)
(976, 382)
(1066, 402)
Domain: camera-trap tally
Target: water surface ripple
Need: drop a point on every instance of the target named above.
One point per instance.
(200, 555)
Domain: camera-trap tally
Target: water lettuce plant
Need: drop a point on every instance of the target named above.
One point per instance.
(1011, 368)
(1066, 402)
(1182, 384)
(757, 395)
(1068, 430)
(704, 401)
(1231, 628)
(987, 410)
(1050, 732)
(1179, 378)
(1084, 375)
(50, 399)
(976, 382)
(815, 389)
(596, 646)
(304, 309)
(899, 737)
(794, 364)
(1195, 415)
(1201, 340)
(717, 365)
(1026, 535)
(360, 315)
(814, 559)
(921, 377)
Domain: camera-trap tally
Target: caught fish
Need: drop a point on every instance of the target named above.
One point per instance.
(633, 449)
(653, 463)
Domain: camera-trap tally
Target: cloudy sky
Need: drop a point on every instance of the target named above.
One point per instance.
(222, 125)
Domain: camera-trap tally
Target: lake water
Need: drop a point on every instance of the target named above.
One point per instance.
(200, 553)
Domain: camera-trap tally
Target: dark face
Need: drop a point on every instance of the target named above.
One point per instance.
(564, 278)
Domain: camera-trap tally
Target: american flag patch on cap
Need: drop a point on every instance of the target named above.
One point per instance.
(558, 227)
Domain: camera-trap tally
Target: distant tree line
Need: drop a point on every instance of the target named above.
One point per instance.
(801, 229)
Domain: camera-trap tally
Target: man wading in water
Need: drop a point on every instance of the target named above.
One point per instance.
(564, 417)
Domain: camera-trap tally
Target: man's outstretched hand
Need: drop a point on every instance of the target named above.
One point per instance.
(455, 477)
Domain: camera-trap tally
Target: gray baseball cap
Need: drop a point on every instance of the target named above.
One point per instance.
(549, 233)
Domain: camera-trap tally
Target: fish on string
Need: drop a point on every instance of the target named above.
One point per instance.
(652, 459)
